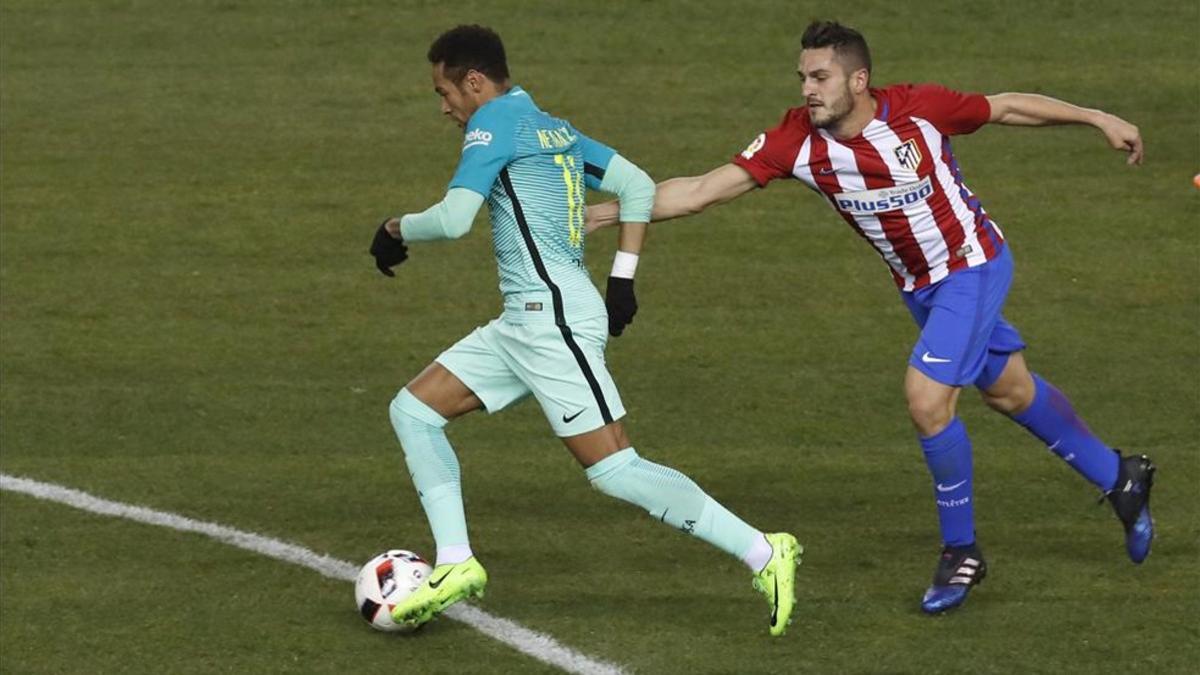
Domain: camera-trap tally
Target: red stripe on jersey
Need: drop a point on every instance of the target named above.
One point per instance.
(826, 179)
(939, 203)
(896, 226)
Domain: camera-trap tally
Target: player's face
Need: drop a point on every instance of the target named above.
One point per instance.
(826, 87)
(457, 102)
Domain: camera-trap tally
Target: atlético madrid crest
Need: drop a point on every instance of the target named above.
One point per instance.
(909, 154)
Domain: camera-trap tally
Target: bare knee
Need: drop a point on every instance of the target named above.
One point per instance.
(442, 391)
(592, 446)
(931, 404)
(1009, 400)
(929, 414)
(622, 437)
(1013, 392)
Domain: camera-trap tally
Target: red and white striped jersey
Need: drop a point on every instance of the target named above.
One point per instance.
(897, 183)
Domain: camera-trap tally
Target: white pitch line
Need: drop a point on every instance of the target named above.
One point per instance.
(532, 643)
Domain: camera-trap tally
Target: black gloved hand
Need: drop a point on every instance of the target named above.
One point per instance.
(388, 250)
(621, 304)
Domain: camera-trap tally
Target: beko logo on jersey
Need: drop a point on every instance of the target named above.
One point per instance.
(869, 202)
(476, 137)
(755, 146)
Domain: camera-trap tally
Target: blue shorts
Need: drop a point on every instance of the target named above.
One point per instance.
(964, 338)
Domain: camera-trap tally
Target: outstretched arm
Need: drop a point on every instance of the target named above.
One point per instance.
(1036, 110)
(683, 196)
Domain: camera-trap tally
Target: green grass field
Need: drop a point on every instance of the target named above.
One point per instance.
(189, 321)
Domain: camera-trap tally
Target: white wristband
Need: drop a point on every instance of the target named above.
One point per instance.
(624, 264)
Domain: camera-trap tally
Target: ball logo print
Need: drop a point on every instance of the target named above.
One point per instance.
(386, 580)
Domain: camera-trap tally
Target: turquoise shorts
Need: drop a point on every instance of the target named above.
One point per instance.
(563, 367)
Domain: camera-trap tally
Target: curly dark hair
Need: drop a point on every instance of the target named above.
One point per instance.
(465, 48)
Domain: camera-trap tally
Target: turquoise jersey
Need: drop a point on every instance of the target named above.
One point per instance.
(532, 168)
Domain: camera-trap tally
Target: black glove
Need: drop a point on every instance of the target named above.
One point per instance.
(621, 304)
(388, 250)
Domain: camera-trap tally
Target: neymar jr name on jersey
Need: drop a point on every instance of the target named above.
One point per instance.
(555, 138)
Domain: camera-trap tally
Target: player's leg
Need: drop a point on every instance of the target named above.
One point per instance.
(564, 367)
(1048, 414)
(956, 317)
(615, 468)
(466, 377)
(947, 449)
(419, 414)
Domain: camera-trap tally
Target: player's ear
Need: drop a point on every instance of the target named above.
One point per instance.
(474, 80)
(860, 80)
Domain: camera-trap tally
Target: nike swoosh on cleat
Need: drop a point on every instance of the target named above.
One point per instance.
(948, 488)
(775, 605)
(438, 582)
(568, 420)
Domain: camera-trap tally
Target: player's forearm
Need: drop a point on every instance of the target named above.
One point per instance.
(1036, 110)
(678, 197)
(632, 237)
(450, 218)
(608, 214)
(683, 196)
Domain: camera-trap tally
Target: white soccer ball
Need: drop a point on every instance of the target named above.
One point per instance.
(386, 580)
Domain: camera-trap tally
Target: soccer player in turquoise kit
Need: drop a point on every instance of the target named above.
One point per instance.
(882, 159)
(532, 169)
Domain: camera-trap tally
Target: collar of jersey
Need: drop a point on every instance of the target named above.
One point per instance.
(509, 95)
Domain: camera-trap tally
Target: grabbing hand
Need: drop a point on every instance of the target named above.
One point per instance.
(1122, 135)
(601, 215)
(388, 250)
(621, 304)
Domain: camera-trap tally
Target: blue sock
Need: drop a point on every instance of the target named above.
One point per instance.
(1052, 419)
(948, 456)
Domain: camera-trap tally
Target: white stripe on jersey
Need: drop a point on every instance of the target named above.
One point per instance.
(945, 177)
(920, 215)
(800, 168)
(850, 179)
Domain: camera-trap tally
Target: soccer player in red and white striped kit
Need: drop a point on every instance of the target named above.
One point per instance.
(882, 159)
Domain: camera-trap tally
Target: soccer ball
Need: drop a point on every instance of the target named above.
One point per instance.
(386, 580)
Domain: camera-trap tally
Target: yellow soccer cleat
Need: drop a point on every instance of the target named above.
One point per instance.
(777, 580)
(446, 585)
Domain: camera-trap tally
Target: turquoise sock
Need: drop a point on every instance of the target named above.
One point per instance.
(433, 466)
(674, 499)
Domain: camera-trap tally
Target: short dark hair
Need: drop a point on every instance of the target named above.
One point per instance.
(847, 43)
(473, 47)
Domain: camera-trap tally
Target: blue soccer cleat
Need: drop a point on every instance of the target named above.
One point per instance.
(1130, 499)
(959, 568)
